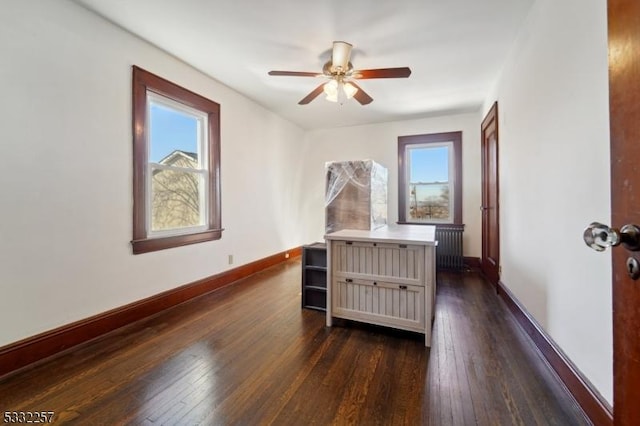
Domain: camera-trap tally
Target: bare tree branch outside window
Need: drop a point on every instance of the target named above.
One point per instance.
(176, 194)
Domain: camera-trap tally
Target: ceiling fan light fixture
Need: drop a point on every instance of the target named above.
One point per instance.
(349, 90)
(331, 90)
(339, 91)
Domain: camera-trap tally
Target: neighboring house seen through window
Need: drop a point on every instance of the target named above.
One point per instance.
(176, 165)
(430, 178)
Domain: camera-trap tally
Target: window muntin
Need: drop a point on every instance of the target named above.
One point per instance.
(178, 165)
(430, 178)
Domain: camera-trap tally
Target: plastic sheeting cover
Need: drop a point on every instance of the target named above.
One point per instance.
(356, 195)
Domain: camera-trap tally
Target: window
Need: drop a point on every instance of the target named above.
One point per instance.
(176, 170)
(430, 178)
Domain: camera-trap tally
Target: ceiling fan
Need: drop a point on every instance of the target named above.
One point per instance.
(341, 75)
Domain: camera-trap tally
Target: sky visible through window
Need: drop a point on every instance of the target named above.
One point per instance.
(171, 130)
(429, 164)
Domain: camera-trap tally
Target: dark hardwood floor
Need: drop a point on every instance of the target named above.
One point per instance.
(484, 369)
(247, 354)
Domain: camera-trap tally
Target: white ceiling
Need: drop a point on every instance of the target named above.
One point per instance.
(455, 49)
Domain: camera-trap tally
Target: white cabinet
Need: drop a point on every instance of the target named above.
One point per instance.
(384, 276)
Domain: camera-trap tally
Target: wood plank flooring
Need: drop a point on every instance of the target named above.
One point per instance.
(483, 369)
(247, 354)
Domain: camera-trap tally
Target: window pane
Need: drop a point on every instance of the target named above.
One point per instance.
(171, 131)
(428, 201)
(175, 199)
(429, 184)
(429, 164)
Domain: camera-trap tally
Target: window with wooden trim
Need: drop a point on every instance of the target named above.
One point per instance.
(176, 165)
(430, 178)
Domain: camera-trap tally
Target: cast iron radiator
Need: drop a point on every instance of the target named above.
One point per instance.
(449, 250)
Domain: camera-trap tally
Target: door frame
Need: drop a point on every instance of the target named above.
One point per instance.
(491, 119)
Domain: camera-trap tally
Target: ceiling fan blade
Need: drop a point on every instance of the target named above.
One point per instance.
(295, 73)
(341, 55)
(361, 96)
(403, 72)
(311, 96)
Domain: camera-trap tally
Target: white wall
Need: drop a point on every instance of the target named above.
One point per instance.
(554, 178)
(379, 142)
(66, 150)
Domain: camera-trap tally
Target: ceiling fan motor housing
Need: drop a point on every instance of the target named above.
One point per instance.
(332, 71)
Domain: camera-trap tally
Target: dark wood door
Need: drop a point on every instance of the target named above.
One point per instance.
(624, 103)
(490, 262)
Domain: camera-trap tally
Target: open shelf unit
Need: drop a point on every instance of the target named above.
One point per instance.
(314, 276)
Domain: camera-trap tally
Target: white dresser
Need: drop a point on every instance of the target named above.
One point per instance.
(385, 277)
